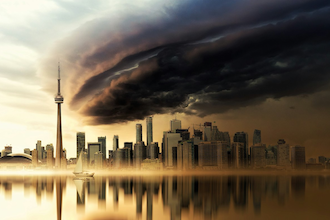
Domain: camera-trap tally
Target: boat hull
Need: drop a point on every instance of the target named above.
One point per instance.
(84, 174)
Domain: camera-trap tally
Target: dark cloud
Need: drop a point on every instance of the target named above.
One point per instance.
(286, 57)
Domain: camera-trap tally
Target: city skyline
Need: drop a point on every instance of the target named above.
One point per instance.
(110, 88)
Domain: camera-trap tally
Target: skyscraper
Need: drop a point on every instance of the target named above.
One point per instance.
(38, 147)
(80, 143)
(149, 130)
(93, 147)
(59, 143)
(138, 132)
(175, 124)
(283, 154)
(256, 137)
(298, 158)
(242, 137)
(207, 131)
(115, 144)
(103, 149)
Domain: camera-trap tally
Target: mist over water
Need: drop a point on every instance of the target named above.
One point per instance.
(253, 196)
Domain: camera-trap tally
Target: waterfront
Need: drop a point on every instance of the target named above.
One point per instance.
(166, 197)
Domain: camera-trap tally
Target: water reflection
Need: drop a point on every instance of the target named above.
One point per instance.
(168, 197)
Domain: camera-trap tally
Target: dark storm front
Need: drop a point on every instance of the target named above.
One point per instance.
(178, 197)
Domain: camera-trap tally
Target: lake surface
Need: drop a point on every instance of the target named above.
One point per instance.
(166, 197)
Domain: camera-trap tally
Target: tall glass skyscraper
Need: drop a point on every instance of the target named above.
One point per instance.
(103, 149)
(242, 137)
(256, 136)
(175, 124)
(138, 133)
(149, 130)
(115, 145)
(80, 142)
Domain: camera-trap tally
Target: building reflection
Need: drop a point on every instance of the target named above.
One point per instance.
(203, 196)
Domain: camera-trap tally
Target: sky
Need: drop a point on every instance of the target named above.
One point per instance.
(242, 65)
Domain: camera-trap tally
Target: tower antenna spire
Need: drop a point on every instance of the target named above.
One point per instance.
(59, 79)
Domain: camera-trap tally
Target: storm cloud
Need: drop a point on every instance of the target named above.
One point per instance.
(202, 58)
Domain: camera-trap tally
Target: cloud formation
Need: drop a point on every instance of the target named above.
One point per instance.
(199, 58)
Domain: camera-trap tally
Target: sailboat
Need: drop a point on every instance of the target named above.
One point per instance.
(78, 170)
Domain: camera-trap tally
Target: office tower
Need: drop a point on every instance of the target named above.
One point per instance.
(242, 137)
(35, 158)
(98, 158)
(80, 143)
(103, 149)
(93, 147)
(256, 137)
(138, 133)
(184, 134)
(50, 158)
(115, 144)
(171, 141)
(128, 156)
(38, 147)
(128, 145)
(27, 151)
(298, 159)
(207, 131)
(283, 151)
(215, 134)
(258, 153)
(118, 157)
(188, 155)
(198, 133)
(271, 153)
(175, 124)
(237, 153)
(213, 153)
(138, 151)
(153, 150)
(149, 130)
(59, 143)
(226, 137)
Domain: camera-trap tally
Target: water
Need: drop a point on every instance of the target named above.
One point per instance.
(166, 197)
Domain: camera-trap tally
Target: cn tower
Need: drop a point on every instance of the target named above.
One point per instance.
(59, 143)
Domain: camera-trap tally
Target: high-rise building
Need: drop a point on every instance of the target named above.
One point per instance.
(59, 143)
(175, 124)
(258, 155)
(103, 149)
(38, 148)
(298, 159)
(128, 145)
(242, 137)
(256, 137)
(184, 134)
(98, 158)
(186, 155)
(283, 152)
(115, 144)
(198, 133)
(138, 133)
(35, 158)
(171, 141)
(27, 151)
(213, 153)
(207, 131)
(153, 150)
(138, 151)
(80, 143)
(149, 130)
(93, 147)
(50, 157)
(237, 153)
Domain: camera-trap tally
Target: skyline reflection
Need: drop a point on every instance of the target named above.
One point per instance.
(165, 197)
